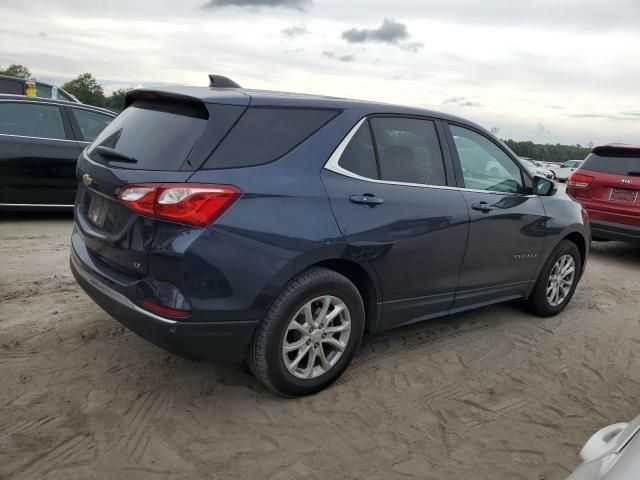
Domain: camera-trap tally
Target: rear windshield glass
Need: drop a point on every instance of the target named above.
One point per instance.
(158, 135)
(265, 134)
(614, 165)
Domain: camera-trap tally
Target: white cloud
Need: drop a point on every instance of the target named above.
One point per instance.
(564, 65)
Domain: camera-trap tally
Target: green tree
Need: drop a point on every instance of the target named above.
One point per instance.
(548, 152)
(15, 70)
(116, 100)
(86, 89)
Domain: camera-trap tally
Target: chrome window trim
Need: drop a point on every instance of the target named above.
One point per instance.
(37, 138)
(333, 165)
(47, 205)
(68, 104)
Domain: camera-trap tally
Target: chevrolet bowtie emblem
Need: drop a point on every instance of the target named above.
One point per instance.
(87, 180)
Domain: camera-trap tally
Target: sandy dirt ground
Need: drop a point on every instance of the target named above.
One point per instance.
(491, 394)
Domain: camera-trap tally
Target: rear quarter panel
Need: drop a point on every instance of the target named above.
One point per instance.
(282, 224)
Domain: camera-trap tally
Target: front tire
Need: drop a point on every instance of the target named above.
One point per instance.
(557, 282)
(310, 334)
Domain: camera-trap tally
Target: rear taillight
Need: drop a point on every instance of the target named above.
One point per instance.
(579, 180)
(189, 203)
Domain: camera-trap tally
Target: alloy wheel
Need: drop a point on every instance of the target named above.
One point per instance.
(561, 280)
(316, 337)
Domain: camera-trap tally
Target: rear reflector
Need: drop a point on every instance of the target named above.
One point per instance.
(165, 311)
(579, 180)
(188, 203)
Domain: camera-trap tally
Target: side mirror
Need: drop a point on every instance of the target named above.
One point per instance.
(543, 186)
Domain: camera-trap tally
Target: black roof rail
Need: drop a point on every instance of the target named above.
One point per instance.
(219, 81)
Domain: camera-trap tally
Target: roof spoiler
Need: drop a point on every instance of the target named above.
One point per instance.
(617, 150)
(219, 81)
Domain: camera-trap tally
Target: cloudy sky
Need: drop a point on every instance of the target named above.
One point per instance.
(546, 70)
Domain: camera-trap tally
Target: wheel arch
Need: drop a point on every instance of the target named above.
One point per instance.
(578, 239)
(366, 283)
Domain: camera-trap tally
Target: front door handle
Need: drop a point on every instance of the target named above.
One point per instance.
(482, 206)
(367, 199)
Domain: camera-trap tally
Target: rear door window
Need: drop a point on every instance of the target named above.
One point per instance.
(31, 120)
(158, 135)
(90, 123)
(408, 151)
(264, 134)
(359, 157)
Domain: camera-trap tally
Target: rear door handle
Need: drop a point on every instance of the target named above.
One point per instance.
(482, 206)
(367, 199)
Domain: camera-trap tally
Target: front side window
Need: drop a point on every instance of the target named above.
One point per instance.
(485, 166)
(90, 123)
(43, 91)
(408, 151)
(31, 120)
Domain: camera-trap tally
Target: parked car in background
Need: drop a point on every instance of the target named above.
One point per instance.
(607, 184)
(33, 88)
(613, 453)
(274, 228)
(537, 169)
(553, 166)
(40, 140)
(565, 170)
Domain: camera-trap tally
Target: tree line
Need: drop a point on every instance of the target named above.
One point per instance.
(84, 87)
(87, 89)
(548, 152)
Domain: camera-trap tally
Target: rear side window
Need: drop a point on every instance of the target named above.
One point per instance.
(265, 134)
(614, 165)
(158, 135)
(359, 157)
(408, 151)
(31, 120)
(90, 123)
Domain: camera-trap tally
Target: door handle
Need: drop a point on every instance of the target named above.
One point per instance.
(482, 206)
(367, 199)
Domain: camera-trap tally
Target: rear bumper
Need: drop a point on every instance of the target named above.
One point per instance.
(220, 341)
(615, 231)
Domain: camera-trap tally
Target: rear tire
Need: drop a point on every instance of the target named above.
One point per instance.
(553, 292)
(296, 326)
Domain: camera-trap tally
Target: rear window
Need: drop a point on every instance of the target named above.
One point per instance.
(264, 134)
(614, 165)
(159, 135)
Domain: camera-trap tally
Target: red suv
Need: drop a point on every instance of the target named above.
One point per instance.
(607, 185)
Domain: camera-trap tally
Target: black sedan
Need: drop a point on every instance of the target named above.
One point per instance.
(40, 140)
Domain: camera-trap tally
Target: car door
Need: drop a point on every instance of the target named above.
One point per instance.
(506, 231)
(37, 155)
(389, 187)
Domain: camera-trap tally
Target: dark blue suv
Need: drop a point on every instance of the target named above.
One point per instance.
(275, 228)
